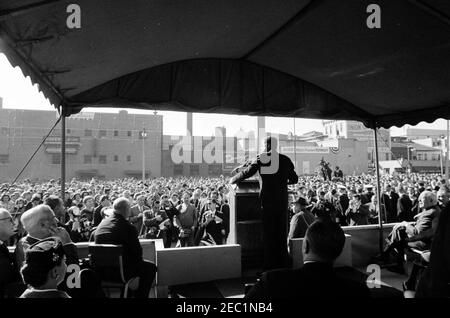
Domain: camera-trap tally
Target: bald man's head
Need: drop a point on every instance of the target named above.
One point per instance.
(122, 206)
(39, 221)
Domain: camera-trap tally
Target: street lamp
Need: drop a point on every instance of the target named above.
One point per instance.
(442, 155)
(143, 136)
(410, 148)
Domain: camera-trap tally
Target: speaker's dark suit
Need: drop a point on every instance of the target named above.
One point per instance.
(274, 203)
(313, 280)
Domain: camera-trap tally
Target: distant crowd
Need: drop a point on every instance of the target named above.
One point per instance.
(181, 211)
(191, 211)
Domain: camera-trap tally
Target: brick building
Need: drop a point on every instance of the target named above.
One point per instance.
(102, 145)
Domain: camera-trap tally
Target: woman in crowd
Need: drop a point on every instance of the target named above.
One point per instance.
(6, 203)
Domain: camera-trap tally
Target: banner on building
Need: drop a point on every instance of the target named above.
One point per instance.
(306, 149)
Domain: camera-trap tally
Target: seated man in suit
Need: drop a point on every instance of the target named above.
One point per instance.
(118, 231)
(40, 223)
(418, 234)
(9, 272)
(323, 243)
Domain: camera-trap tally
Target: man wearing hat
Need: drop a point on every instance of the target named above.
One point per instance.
(44, 269)
(366, 197)
(301, 219)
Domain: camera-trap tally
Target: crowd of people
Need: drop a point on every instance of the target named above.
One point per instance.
(195, 211)
(353, 201)
(189, 211)
(181, 211)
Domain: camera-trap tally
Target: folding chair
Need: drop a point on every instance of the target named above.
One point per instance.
(107, 261)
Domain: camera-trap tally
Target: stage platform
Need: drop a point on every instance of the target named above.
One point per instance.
(391, 285)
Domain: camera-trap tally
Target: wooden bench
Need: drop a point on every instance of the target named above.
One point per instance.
(345, 259)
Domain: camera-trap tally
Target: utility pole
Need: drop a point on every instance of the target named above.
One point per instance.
(448, 153)
(143, 136)
(295, 148)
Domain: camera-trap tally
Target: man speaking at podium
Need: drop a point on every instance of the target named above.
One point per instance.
(276, 171)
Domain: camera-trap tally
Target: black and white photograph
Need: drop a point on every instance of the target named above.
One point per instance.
(224, 156)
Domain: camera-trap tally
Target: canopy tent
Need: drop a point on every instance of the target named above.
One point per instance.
(296, 58)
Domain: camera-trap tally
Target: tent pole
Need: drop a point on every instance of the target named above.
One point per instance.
(448, 154)
(377, 171)
(295, 148)
(63, 153)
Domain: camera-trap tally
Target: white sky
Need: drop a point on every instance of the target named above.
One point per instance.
(18, 92)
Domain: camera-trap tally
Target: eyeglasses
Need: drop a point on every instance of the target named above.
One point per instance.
(8, 218)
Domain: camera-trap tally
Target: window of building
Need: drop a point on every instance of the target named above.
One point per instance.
(102, 133)
(387, 156)
(425, 156)
(116, 158)
(129, 133)
(419, 156)
(5, 131)
(69, 131)
(56, 158)
(194, 170)
(88, 133)
(4, 158)
(87, 159)
(116, 133)
(214, 169)
(102, 159)
(128, 158)
(178, 170)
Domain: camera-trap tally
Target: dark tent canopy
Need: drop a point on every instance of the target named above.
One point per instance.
(299, 58)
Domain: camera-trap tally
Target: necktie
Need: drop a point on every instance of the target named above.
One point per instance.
(4, 250)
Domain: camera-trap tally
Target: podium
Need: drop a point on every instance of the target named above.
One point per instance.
(246, 223)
